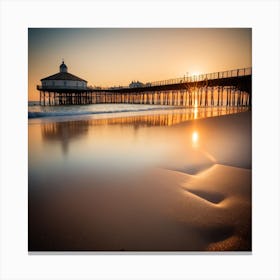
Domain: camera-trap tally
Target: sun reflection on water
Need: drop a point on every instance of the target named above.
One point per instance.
(195, 138)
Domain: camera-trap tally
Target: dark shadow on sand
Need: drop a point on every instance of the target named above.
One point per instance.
(213, 197)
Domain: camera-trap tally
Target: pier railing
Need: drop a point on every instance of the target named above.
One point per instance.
(40, 87)
(203, 77)
(195, 78)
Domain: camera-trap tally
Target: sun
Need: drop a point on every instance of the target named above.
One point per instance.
(195, 73)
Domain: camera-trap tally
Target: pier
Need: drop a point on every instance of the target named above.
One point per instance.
(228, 88)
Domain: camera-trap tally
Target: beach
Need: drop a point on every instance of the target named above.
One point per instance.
(145, 181)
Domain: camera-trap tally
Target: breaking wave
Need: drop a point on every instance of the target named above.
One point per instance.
(68, 112)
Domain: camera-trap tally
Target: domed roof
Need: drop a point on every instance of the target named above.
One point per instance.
(63, 67)
(63, 75)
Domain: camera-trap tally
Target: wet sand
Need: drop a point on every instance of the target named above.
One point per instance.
(119, 186)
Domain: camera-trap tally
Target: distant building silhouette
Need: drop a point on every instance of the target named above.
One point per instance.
(136, 84)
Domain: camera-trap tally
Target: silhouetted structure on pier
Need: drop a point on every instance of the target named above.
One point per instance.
(228, 88)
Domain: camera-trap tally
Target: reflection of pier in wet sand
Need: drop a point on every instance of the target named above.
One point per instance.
(65, 132)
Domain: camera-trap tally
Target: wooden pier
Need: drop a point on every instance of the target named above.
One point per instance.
(229, 88)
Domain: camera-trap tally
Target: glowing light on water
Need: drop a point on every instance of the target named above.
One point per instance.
(194, 137)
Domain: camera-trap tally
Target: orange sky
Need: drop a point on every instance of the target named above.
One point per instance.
(116, 56)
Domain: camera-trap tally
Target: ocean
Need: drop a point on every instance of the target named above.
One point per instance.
(37, 111)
